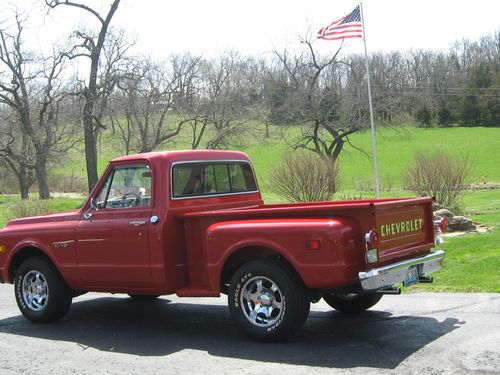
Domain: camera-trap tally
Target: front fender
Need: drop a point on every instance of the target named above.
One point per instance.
(61, 253)
(24, 245)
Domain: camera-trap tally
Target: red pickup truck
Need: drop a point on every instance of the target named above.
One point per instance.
(193, 223)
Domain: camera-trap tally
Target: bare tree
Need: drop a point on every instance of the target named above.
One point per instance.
(314, 94)
(16, 152)
(146, 106)
(113, 67)
(220, 110)
(91, 47)
(31, 87)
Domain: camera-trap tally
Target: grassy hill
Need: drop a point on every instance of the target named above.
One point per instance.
(396, 148)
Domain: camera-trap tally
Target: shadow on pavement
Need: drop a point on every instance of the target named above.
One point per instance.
(156, 328)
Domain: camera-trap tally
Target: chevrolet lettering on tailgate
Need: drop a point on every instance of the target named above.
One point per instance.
(407, 226)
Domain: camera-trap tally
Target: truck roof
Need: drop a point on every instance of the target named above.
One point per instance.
(186, 155)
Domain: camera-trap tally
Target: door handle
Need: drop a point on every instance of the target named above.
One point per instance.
(137, 223)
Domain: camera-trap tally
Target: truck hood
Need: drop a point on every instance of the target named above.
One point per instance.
(46, 218)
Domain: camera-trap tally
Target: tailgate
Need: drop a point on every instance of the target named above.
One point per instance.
(405, 228)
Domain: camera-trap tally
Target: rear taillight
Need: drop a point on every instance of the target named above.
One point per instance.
(372, 240)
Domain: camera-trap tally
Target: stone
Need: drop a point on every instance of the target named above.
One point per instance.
(443, 212)
(461, 224)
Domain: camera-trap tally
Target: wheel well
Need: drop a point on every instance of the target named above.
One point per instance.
(247, 254)
(21, 256)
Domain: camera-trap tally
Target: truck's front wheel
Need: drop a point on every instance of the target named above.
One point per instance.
(267, 301)
(41, 293)
(351, 302)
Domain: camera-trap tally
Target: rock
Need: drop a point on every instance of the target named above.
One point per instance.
(456, 223)
(461, 224)
(443, 212)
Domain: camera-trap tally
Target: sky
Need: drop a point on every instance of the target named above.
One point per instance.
(162, 27)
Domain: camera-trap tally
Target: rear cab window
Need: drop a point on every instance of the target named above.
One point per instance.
(200, 179)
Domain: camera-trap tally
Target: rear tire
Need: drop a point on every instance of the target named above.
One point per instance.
(352, 303)
(143, 297)
(267, 301)
(41, 293)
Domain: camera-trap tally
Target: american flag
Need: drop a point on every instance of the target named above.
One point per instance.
(347, 27)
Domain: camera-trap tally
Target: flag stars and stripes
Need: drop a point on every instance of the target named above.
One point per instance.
(348, 26)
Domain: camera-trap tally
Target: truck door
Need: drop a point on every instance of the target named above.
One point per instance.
(112, 237)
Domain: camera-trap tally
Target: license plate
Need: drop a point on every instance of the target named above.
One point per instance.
(411, 276)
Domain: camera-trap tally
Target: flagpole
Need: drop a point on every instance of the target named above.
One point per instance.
(375, 165)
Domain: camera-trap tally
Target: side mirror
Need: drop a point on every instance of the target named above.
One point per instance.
(93, 206)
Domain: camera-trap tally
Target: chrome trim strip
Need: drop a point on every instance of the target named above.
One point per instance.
(137, 223)
(215, 195)
(379, 278)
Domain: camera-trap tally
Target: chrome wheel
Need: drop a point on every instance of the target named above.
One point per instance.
(35, 290)
(261, 301)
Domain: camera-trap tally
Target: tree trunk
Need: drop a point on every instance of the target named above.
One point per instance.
(91, 95)
(90, 144)
(24, 184)
(41, 177)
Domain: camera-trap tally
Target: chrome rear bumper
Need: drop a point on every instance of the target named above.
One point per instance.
(383, 277)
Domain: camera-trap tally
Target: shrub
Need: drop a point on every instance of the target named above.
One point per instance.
(445, 118)
(352, 197)
(424, 117)
(27, 208)
(304, 177)
(68, 184)
(440, 175)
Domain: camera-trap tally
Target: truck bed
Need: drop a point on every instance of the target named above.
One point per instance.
(405, 228)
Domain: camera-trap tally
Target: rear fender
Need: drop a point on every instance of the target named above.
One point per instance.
(290, 239)
(244, 252)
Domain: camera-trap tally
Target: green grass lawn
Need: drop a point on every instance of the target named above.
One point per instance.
(472, 261)
(396, 148)
(9, 202)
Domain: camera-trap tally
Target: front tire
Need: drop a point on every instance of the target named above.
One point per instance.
(41, 293)
(267, 301)
(351, 302)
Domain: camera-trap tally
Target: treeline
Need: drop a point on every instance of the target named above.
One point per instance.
(45, 106)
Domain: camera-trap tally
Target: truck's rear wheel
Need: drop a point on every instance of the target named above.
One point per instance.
(41, 293)
(267, 301)
(352, 302)
(143, 297)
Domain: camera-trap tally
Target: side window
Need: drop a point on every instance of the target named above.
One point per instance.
(199, 179)
(126, 187)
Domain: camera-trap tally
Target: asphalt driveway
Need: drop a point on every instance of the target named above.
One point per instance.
(429, 333)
